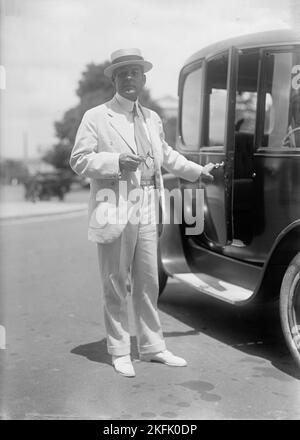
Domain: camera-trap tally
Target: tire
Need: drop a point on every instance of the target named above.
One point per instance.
(162, 276)
(290, 307)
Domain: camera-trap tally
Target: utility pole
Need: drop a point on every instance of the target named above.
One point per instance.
(25, 148)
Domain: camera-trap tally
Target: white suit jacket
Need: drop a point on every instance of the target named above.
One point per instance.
(101, 137)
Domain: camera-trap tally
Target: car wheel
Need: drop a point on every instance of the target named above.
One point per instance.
(162, 276)
(290, 307)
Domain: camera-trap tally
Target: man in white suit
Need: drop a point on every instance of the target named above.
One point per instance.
(121, 144)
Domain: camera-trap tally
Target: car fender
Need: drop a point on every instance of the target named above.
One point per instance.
(285, 247)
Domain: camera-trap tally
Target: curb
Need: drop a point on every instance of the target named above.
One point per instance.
(42, 214)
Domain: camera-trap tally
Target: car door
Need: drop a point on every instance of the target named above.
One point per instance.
(207, 135)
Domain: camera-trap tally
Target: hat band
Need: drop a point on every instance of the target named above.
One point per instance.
(127, 58)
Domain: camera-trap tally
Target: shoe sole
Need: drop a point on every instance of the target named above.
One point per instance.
(164, 363)
(123, 374)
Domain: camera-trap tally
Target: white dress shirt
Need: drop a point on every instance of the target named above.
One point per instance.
(127, 106)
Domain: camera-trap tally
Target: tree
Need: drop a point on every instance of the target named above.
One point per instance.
(94, 88)
(59, 155)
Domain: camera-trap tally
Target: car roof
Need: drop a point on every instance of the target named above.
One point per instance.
(269, 38)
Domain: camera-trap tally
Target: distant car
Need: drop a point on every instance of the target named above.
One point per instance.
(44, 185)
(239, 106)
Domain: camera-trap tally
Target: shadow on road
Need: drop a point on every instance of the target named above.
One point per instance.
(97, 351)
(94, 351)
(253, 329)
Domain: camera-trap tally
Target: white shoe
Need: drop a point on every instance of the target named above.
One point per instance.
(164, 357)
(123, 365)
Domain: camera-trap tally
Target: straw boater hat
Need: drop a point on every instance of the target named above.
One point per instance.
(125, 57)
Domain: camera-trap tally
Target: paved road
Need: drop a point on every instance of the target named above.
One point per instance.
(13, 206)
(56, 364)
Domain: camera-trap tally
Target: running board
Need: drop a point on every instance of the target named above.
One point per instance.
(215, 287)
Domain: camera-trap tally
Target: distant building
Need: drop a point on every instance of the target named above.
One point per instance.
(169, 105)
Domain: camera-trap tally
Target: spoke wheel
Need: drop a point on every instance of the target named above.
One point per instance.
(290, 307)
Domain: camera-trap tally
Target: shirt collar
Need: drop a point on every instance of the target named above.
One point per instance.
(125, 104)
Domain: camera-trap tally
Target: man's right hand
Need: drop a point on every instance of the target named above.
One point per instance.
(206, 170)
(129, 162)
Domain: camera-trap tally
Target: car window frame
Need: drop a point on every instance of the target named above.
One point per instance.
(205, 114)
(260, 117)
(186, 71)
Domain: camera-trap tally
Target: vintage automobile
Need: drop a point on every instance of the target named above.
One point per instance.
(239, 107)
(44, 185)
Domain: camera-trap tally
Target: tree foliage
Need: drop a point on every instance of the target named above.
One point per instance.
(58, 155)
(93, 79)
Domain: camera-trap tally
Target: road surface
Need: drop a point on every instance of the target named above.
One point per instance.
(55, 364)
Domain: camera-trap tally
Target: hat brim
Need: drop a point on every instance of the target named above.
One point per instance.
(108, 71)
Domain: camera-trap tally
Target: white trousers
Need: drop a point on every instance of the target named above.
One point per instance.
(134, 253)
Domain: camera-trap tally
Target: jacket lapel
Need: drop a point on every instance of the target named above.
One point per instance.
(118, 121)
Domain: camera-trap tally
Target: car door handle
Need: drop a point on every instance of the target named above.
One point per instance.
(221, 164)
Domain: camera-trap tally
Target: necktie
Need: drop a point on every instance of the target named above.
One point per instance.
(143, 144)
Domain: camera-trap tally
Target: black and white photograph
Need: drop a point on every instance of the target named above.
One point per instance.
(149, 212)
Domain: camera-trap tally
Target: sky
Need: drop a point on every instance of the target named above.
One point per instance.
(46, 44)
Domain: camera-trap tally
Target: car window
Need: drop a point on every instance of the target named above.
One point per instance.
(245, 122)
(191, 107)
(245, 112)
(246, 96)
(215, 109)
(281, 103)
(217, 115)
